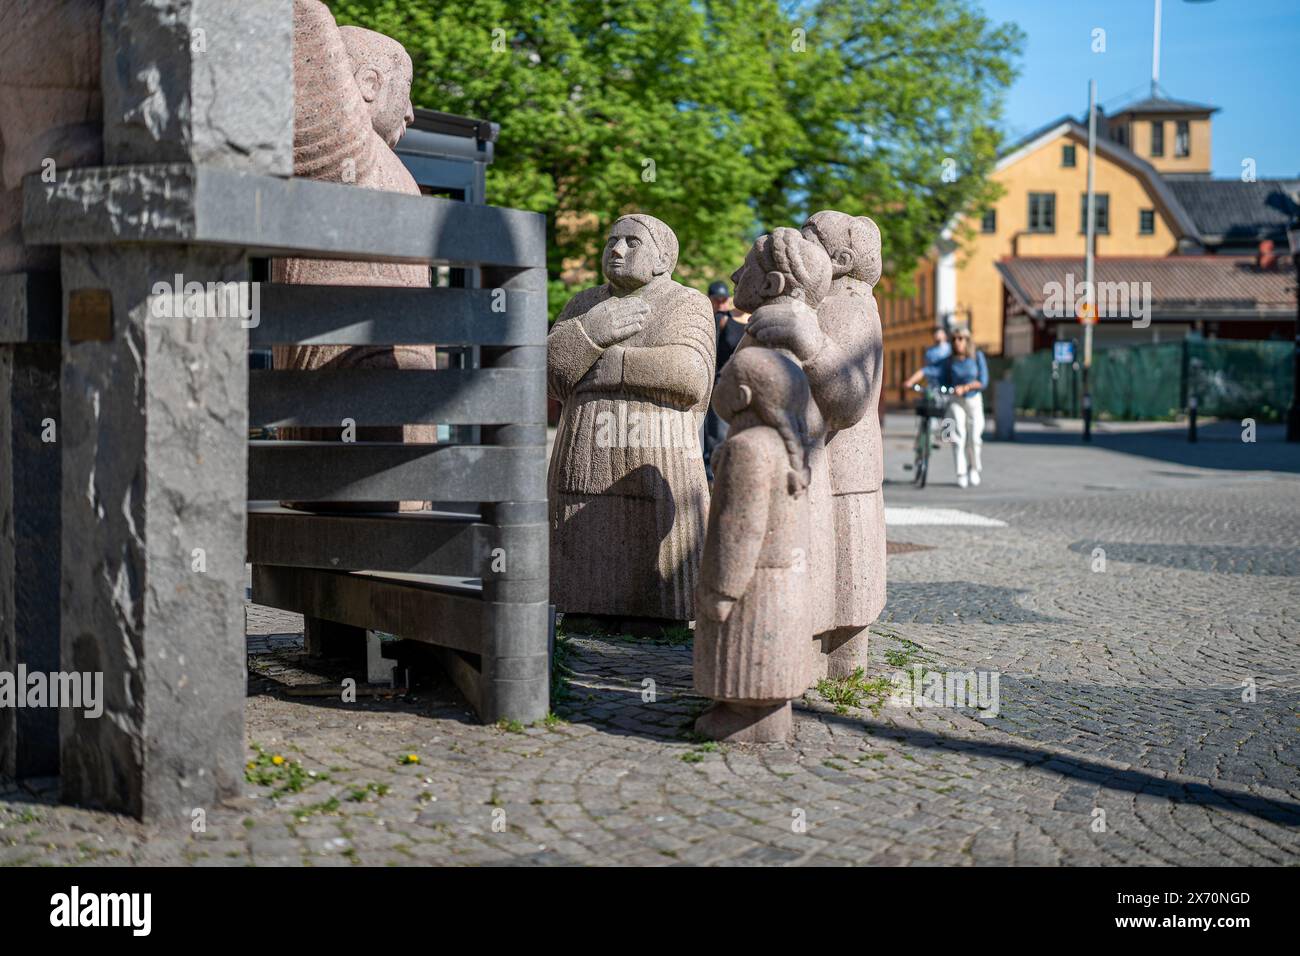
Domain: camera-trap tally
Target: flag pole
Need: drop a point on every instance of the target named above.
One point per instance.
(1091, 304)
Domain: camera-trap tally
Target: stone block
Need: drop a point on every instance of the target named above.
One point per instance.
(199, 81)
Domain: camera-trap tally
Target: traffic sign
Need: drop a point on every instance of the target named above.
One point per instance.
(1063, 352)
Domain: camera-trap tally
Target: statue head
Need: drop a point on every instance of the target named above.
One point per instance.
(782, 266)
(765, 386)
(639, 248)
(852, 242)
(383, 71)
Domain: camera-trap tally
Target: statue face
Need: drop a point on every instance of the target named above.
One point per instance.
(630, 259)
(747, 281)
(384, 73)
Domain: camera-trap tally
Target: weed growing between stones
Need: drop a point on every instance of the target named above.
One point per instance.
(855, 691)
(283, 776)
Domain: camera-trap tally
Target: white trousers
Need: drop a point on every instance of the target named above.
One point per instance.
(967, 414)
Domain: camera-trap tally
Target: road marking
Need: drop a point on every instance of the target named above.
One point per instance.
(938, 516)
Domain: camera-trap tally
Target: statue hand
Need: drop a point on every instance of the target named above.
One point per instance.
(615, 320)
(787, 326)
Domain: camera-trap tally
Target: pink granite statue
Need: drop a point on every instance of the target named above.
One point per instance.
(783, 281)
(632, 362)
(352, 103)
(754, 625)
(51, 111)
(850, 319)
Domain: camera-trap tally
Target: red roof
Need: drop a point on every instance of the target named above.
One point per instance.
(1180, 286)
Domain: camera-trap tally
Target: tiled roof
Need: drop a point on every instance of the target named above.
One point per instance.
(1162, 104)
(1181, 286)
(1229, 209)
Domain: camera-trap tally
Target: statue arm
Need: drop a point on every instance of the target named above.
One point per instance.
(570, 354)
(837, 375)
(683, 369)
(332, 127)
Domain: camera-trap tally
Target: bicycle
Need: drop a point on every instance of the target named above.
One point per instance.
(933, 403)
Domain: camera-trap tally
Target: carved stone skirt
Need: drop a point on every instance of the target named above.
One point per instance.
(760, 652)
(821, 544)
(630, 557)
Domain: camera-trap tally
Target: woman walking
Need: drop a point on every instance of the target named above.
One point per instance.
(967, 373)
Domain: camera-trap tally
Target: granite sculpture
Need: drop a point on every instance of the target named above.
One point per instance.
(631, 361)
(784, 279)
(850, 319)
(352, 104)
(51, 109)
(842, 357)
(753, 627)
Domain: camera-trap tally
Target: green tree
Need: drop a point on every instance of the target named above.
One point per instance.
(724, 118)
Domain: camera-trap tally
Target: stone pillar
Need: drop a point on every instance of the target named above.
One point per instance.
(155, 420)
(515, 664)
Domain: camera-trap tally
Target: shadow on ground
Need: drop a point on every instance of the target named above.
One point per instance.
(1219, 446)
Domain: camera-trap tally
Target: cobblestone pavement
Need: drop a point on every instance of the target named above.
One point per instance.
(1141, 609)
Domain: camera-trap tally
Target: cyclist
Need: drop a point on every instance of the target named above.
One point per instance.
(966, 372)
(935, 354)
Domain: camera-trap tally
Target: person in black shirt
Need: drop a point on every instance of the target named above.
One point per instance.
(730, 330)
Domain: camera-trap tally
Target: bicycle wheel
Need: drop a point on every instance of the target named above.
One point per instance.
(922, 460)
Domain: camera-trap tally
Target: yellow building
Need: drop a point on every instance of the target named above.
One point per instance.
(1041, 213)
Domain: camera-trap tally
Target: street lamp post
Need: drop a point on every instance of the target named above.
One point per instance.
(1293, 414)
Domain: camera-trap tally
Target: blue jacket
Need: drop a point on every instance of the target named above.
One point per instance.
(953, 371)
(937, 353)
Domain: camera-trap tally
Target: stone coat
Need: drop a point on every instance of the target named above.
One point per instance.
(627, 490)
(850, 317)
(758, 537)
(334, 141)
(821, 541)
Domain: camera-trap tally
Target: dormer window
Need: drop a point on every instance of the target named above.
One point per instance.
(1157, 137)
(1183, 139)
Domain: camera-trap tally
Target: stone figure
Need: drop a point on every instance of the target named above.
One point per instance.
(352, 104)
(51, 109)
(850, 320)
(753, 627)
(843, 358)
(632, 362)
(783, 281)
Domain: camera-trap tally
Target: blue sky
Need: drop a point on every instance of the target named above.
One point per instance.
(1240, 55)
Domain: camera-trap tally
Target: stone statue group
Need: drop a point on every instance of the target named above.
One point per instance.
(785, 569)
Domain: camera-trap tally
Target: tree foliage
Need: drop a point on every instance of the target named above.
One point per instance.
(724, 118)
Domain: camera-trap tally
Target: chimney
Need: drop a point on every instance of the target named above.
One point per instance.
(1265, 259)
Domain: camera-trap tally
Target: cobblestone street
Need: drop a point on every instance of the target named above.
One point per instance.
(1138, 600)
